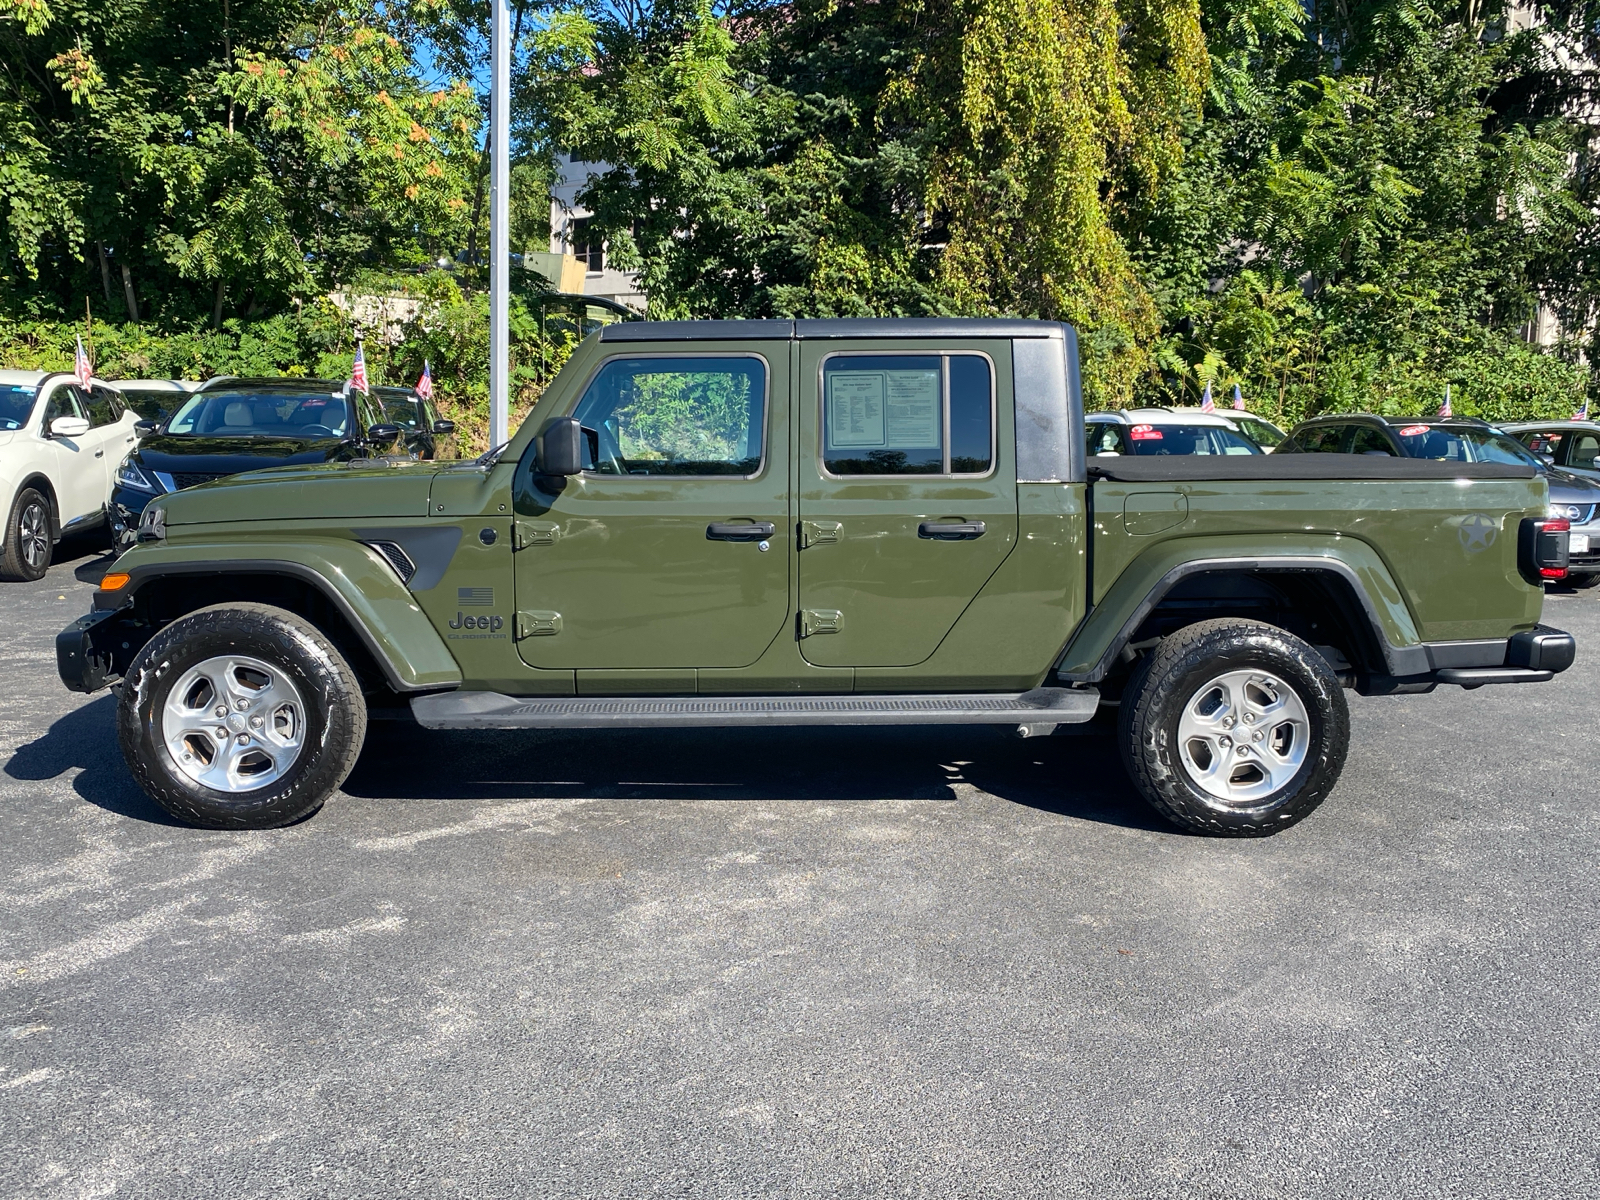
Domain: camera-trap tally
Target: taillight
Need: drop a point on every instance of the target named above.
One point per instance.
(1542, 548)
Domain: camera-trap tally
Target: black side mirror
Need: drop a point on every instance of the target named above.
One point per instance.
(145, 428)
(444, 426)
(383, 435)
(561, 447)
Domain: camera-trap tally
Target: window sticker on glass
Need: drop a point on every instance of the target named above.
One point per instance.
(855, 403)
(1145, 433)
(913, 407)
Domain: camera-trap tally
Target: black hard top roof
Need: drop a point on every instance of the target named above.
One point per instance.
(850, 327)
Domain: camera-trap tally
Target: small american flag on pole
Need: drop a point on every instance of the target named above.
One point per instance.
(1207, 404)
(425, 384)
(80, 364)
(1444, 409)
(358, 371)
(1583, 413)
(1238, 399)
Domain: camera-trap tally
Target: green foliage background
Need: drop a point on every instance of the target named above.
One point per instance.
(1347, 208)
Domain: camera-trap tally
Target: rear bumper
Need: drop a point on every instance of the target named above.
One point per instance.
(1535, 655)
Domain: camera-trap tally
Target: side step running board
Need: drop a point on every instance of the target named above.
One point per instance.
(1042, 707)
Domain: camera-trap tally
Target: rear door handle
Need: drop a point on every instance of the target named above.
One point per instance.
(100, 453)
(959, 531)
(719, 531)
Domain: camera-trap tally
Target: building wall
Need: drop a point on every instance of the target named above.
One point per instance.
(565, 213)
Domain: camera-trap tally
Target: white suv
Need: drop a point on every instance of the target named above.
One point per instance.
(1165, 431)
(59, 445)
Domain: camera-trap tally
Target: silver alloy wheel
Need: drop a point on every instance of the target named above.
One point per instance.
(1243, 735)
(33, 535)
(234, 723)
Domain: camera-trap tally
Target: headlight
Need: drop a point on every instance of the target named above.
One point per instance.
(129, 475)
(1566, 512)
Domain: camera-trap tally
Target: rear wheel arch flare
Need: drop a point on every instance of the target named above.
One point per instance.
(1331, 585)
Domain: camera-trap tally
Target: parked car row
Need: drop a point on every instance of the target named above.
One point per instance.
(77, 458)
(1565, 453)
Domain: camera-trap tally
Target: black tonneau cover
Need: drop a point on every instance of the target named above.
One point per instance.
(1225, 468)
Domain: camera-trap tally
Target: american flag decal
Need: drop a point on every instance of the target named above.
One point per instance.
(475, 597)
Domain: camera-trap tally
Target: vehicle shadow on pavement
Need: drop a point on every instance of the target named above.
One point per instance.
(86, 738)
(1079, 776)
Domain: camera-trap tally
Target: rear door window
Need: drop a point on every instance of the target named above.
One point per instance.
(103, 406)
(907, 414)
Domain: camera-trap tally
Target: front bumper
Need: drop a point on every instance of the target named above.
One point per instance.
(1587, 560)
(99, 648)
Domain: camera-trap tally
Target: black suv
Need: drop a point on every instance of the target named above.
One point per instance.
(233, 425)
(418, 421)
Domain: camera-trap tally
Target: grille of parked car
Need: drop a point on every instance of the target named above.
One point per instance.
(187, 479)
(1578, 514)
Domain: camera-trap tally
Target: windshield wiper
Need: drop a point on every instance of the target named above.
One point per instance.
(489, 457)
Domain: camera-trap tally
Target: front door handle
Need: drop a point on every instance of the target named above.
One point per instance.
(954, 531)
(100, 453)
(759, 531)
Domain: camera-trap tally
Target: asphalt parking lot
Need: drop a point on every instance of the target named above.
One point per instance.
(801, 963)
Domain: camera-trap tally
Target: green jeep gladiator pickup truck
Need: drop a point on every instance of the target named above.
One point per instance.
(853, 522)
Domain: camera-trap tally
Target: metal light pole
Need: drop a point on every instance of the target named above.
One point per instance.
(499, 222)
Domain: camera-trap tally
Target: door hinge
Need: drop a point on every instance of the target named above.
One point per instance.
(535, 533)
(538, 624)
(820, 620)
(819, 533)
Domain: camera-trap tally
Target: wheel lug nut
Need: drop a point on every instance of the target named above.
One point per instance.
(1258, 736)
(243, 739)
(1227, 722)
(1244, 749)
(241, 705)
(1225, 742)
(256, 722)
(1249, 718)
(222, 710)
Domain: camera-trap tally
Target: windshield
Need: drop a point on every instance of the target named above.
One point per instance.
(1187, 439)
(261, 413)
(1262, 433)
(1455, 444)
(400, 408)
(15, 404)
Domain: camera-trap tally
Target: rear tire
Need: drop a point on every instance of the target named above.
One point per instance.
(1234, 728)
(1585, 581)
(240, 716)
(29, 539)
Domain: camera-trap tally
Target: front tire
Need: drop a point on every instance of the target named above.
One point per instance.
(240, 716)
(1234, 728)
(26, 547)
